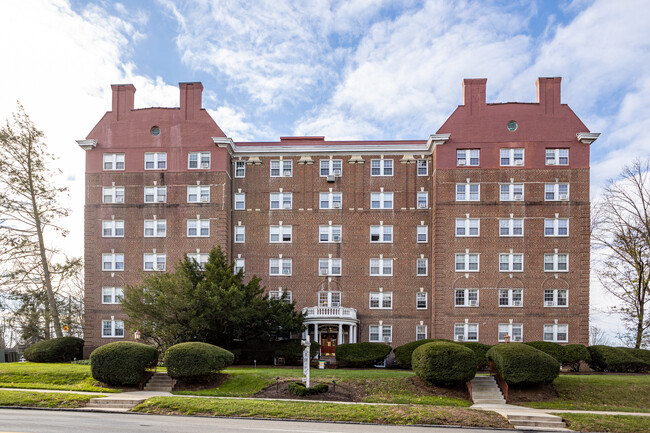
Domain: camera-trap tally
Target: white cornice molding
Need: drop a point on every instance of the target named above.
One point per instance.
(587, 137)
(437, 140)
(87, 144)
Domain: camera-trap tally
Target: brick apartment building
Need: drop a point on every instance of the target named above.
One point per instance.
(479, 232)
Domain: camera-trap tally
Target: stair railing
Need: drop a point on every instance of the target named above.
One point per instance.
(503, 385)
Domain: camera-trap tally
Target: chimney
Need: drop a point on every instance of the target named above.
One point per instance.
(548, 93)
(191, 94)
(474, 94)
(122, 100)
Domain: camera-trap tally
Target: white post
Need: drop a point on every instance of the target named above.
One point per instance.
(354, 333)
(305, 360)
(340, 339)
(316, 333)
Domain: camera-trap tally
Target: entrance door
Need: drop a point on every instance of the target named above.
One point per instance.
(328, 343)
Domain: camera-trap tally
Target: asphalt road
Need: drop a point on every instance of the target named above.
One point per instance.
(47, 421)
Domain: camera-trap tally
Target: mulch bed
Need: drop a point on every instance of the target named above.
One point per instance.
(342, 392)
(215, 382)
(532, 394)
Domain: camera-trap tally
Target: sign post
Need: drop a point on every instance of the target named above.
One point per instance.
(305, 361)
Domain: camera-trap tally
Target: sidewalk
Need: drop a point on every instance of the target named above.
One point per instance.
(595, 412)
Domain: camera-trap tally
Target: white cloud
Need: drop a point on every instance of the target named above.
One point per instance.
(232, 122)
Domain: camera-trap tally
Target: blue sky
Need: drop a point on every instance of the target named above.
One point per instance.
(359, 69)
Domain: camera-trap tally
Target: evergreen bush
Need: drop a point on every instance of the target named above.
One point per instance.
(299, 389)
(291, 350)
(361, 355)
(64, 349)
(573, 354)
(122, 363)
(404, 353)
(480, 350)
(557, 351)
(523, 365)
(196, 360)
(616, 360)
(444, 363)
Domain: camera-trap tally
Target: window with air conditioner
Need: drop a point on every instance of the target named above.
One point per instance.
(113, 228)
(240, 169)
(380, 333)
(112, 329)
(381, 234)
(511, 157)
(381, 200)
(557, 156)
(423, 167)
(420, 332)
(381, 267)
(511, 262)
(113, 194)
(155, 194)
(422, 234)
(331, 167)
(468, 227)
(198, 160)
(329, 299)
(329, 266)
(329, 234)
(198, 193)
(468, 192)
(155, 228)
(240, 265)
(200, 258)
(240, 234)
(423, 200)
(556, 262)
(112, 295)
(556, 191)
(466, 331)
(154, 262)
(280, 267)
(381, 167)
(511, 192)
(113, 161)
(421, 300)
(281, 168)
(198, 228)
(112, 262)
(468, 157)
(381, 300)
(556, 298)
(512, 227)
(330, 200)
(557, 333)
(513, 330)
(281, 200)
(466, 298)
(155, 161)
(467, 262)
(280, 234)
(556, 227)
(511, 298)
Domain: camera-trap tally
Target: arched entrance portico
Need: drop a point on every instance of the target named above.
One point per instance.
(330, 327)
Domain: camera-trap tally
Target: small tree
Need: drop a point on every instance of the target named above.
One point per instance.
(210, 305)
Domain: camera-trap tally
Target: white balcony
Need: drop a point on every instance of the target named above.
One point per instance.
(312, 313)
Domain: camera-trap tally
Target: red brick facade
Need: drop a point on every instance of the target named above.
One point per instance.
(429, 167)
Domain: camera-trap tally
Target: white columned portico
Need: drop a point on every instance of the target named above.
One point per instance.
(316, 333)
(340, 336)
(335, 318)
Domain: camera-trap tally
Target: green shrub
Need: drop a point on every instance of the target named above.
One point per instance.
(555, 350)
(64, 349)
(404, 353)
(642, 354)
(291, 350)
(444, 363)
(480, 350)
(573, 354)
(299, 389)
(122, 363)
(615, 359)
(521, 364)
(361, 354)
(196, 360)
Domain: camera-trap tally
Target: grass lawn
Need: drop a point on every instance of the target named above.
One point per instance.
(625, 393)
(398, 414)
(42, 399)
(69, 377)
(606, 423)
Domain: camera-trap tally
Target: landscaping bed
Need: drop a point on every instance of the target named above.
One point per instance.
(43, 399)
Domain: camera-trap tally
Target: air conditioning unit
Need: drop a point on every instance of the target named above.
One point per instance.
(336, 205)
(286, 271)
(287, 205)
(337, 173)
(386, 339)
(119, 199)
(336, 238)
(514, 339)
(549, 303)
(161, 199)
(550, 162)
(160, 267)
(286, 173)
(473, 303)
(519, 197)
(517, 303)
(422, 205)
(461, 162)
(459, 338)
(205, 165)
(564, 197)
(519, 162)
(331, 178)
(204, 199)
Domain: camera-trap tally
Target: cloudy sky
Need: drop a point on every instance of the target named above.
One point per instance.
(357, 69)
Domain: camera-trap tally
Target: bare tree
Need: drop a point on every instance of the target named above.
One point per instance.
(29, 207)
(597, 336)
(621, 234)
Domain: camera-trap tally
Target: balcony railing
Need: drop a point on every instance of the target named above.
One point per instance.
(330, 312)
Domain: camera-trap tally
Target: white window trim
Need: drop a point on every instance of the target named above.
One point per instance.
(113, 260)
(464, 159)
(556, 157)
(466, 224)
(330, 264)
(383, 231)
(330, 167)
(556, 262)
(466, 327)
(113, 158)
(421, 330)
(556, 191)
(155, 192)
(239, 230)
(511, 262)
(114, 327)
(156, 266)
(511, 301)
(329, 231)
(280, 231)
(282, 167)
(511, 157)
(510, 332)
(381, 267)
(199, 164)
(417, 267)
(466, 262)
(154, 228)
(200, 258)
(198, 191)
(116, 294)
(512, 195)
(556, 327)
(424, 295)
(511, 227)
(281, 262)
(420, 204)
(241, 195)
(467, 303)
(112, 191)
(278, 294)
(556, 227)
(422, 163)
(380, 333)
(382, 200)
(330, 200)
(112, 226)
(281, 200)
(156, 160)
(330, 301)
(239, 264)
(240, 164)
(556, 296)
(200, 225)
(384, 165)
(422, 230)
(380, 298)
(467, 194)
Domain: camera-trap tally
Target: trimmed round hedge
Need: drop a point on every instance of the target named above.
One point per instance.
(291, 350)
(404, 353)
(444, 363)
(615, 359)
(122, 363)
(480, 350)
(361, 355)
(574, 353)
(642, 354)
(196, 360)
(64, 349)
(523, 365)
(299, 389)
(555, 350)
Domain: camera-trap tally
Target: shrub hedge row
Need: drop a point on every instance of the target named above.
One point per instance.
(555, 350)
(480, 350)
(444, 363)
(361, 355)
(64, 349)
(299, 389)
(521, 364)
(195, 360)
(404, 353)
(616, 359)
(291, 350)
(122, 363)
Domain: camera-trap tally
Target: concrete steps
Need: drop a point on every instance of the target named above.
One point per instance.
(160, 382)
(542, 421)
(486, 391)
(118, 404)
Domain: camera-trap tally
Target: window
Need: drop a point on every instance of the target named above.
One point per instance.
(240, 234)
(513, 330)
(556, 262)
(329, 234)
(511, 191)
(556, 191)
(381, 267)
(423, 234)
(420, 332)
(381, 234)
(155, 262)
(240, 168)
(512, 157)
(112, 295)
(113, 228)
(330, 200)
(198, 228)
(196, 160)
(468, 192)
(329, 266)
(280, 267)
(470, 157)
(423, 167)
(196, 194)
(381, 300)
(200, 258)
(240, 201)
(466, 227)
(281, 200)
(466, 298)
(381, 200)
(466, 331)
(331, 167)
(155, 228)
(511, 262)
(557, 156)
(467, 262)
(281, 295)
(511, 298)
(381, 333)
(113, 161)
(240, 265)
(329, 299)
(112, 262)
(113, 194)
(421, 267)
(155, 161)
(113, 328)
(423, 200)
(155, 194)
(281, 168)
(512, 227)
(381, 167)
(421, 300)
(280, 234)
(556, 298)
(556, 333)
(556, 227)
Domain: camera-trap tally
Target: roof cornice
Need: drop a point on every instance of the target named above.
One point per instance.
(587, 137)
(87, 144)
